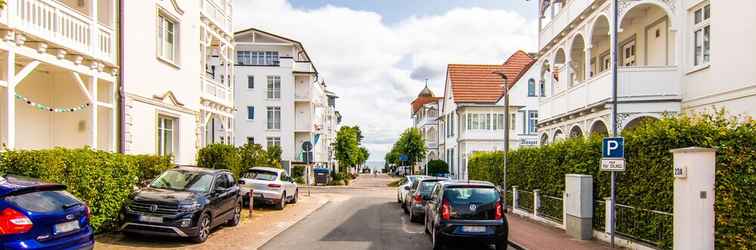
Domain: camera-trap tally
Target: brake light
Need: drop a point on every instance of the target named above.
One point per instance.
(418, 198)
(274, 185)
(14, 222)
(499, 211)
(445, 210)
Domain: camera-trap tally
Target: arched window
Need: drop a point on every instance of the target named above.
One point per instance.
(542, 87)
(531, 87)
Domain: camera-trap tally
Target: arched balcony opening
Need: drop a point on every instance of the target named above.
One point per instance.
(576, 132)
(558, 135)
(545, 77)
(558, 72)
(545, 139)
(600, 54)
(638, 121)
(645, 38)
(577, 60)
(599, 128)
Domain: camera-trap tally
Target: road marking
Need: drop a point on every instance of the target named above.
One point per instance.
(405, 229)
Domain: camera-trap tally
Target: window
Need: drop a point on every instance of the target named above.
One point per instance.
(166, 136)
(274, 117)
(531, 87)
(243, 57)
(532, 121)
(542, 87)
(513, 122)
(250, 112)
(166, 38)
(500, 121)
(257, 58)
(628, 53)
(250, 82)
(274, 141)
(274, 87)
(702, 35)
(250, 140)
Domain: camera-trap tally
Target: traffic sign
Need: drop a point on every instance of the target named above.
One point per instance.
(307, 146)
(403, 157)
(612, 164)
(613, 147)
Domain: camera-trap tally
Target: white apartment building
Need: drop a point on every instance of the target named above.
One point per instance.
(58, 73)
(280, 99)
(473, 114)
(674, 56)
(177, 76)
(425, 110)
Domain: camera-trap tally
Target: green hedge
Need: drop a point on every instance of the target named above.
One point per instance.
(220, 156)
(647, 183)
(437, 167)
(102, 179)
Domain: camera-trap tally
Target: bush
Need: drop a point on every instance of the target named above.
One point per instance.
(437, 167)
(102, 179)
(647, 182)
(220, 156)
(297, 171)
(299, 180)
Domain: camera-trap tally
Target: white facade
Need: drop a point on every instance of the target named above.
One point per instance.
(59, 85)
(279, 98)
(425, 117)
(674, 56)
(176, 73)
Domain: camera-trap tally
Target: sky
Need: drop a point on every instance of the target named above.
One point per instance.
(377, 54)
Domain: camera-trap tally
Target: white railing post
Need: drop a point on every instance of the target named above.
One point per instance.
(536, 201)
(564, 208)
(607, 219)
(515, 198)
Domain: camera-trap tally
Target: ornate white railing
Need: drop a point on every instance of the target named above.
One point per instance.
(217, 14)
(216, 92)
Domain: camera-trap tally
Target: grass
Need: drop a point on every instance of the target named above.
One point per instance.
(394, 183)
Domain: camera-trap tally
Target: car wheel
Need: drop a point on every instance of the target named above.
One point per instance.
(236, 217)
(501, 245)
(437, 244)
(426, 225)
(282, 203)
(296, 197)
(204, 229)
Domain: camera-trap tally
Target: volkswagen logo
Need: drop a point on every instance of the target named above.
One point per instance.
(473, 207)
(69, 217)
(153, 208)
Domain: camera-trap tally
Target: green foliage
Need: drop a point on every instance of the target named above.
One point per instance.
(253, 155)
(102, 179)
(297, 171)
(647, 183)
(347, 147)
(412, 145)
(437, 167)
(274, 156)
(220, 156)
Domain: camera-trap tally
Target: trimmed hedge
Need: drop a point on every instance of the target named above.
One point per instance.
(647, 183)
(102, 179)
(437, 167)
(220, 156)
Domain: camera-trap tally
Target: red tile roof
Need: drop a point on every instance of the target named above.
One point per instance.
(476, 83)
(422, 100)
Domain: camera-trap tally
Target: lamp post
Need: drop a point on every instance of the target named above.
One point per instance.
(506, 134)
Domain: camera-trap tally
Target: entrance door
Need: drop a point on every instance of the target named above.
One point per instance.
(656, 40)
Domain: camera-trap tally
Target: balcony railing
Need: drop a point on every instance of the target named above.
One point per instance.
(633, 82)
(217, 15)
(57, 23)
(566, 15)
(216, 92)
(303, 67)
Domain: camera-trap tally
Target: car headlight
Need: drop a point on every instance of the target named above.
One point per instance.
(189, 207)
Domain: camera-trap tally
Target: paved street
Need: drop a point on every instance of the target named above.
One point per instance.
(366, 217)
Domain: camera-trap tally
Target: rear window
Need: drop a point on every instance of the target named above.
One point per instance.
(262, 175)
(471, 194)
(427, 186)
(44, 201)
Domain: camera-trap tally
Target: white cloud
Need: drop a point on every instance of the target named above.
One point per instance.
(377, 69)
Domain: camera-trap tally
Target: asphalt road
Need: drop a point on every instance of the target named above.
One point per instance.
(367, 218)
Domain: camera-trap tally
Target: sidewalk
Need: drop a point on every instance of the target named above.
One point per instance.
(533, 236)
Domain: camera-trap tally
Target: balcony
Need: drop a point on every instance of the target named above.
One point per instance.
(216, 92)
(57, 23)
(218, 12)
(561, 20)
(303, 67)
(634, 83)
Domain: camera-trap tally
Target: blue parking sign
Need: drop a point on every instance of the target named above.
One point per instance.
(613, 147)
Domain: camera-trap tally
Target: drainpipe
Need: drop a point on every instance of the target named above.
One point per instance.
(121, 90)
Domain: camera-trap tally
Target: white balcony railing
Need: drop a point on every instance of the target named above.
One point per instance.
(303, 67)
(57, 23)
(566, 15)
(633, 82)
(216, 92)
(217, 14)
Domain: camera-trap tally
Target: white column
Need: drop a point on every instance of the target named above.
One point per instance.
(95, 31)
(693, 207)
(607, 219)
(536, 201)
(10, 98)
(515, 198)
(93, 111)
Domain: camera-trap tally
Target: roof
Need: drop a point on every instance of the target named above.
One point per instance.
(282, 38)
(426, 92)
(480, 83)
(420, 101)
(277, 170)
(199, 169)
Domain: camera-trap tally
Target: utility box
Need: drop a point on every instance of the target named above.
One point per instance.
(578, 205)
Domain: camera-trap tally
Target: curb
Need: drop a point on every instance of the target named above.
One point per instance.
(516, 245)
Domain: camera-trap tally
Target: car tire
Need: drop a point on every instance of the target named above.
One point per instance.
(296, 197)
(204, 225)
(236, 218)
(426, 225)
(501, 245)
(436, 240)
(282, 203)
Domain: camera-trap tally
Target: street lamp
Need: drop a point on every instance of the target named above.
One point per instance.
(506, 134)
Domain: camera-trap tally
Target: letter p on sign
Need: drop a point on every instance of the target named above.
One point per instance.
(613, 147)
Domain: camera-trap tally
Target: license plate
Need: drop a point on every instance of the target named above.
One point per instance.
(473, 229)
(151, 219)
(66, 227)
(257, 194)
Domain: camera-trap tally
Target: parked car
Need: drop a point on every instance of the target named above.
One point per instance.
(404, 187)
(185, 202)
(418, 195)
(466, 211)
(271, 186)
(40, 215)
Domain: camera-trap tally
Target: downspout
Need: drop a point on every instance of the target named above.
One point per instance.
(457, 135)
(121, 90)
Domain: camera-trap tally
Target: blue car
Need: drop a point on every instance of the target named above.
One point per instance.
(40, 215)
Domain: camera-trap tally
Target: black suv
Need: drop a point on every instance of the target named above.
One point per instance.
(466, 212)
(185, 202)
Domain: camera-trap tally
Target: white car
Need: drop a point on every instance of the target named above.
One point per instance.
(269, 185)
(404, 187)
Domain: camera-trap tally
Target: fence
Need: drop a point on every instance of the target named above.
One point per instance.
(599, 215)
(525, 200)
(551, 208)
(649, 226)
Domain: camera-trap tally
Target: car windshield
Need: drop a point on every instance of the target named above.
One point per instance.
(262, 175)
(471, 194)
(183, 181)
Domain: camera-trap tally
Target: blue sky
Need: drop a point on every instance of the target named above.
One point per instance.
(394, 11)
(376, 54)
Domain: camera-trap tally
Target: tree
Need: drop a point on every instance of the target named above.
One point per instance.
(363, 156)
(220, 156)
(437, 167)
(274, 156)
(412, 145)
(253, 155)
(347, 147)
